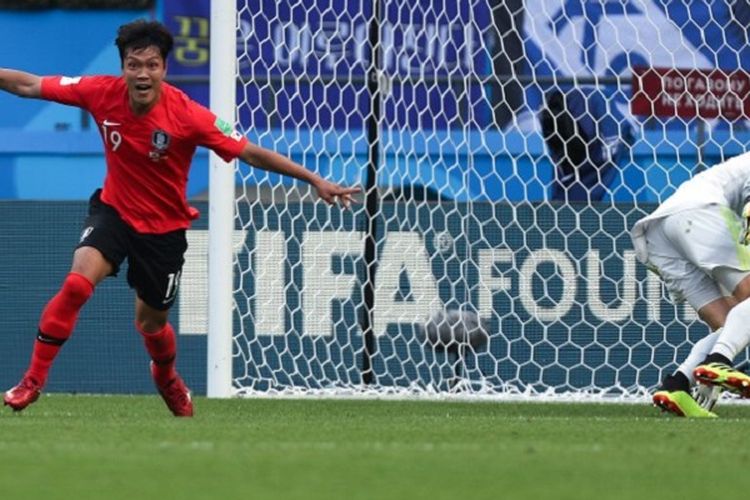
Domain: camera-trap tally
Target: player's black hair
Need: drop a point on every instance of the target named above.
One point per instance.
(140, 34)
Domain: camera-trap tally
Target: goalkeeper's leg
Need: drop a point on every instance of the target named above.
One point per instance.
(717, 368)
(676, 254)
(674, 394)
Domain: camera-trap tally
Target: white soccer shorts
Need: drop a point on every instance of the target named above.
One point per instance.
(697, 253)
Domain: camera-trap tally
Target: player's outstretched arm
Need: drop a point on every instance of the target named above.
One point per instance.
(20, 83)
(274, 162)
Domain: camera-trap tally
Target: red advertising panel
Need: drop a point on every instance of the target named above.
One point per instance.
(690, 93)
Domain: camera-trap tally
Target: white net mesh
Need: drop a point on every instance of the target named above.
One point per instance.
(502, 170)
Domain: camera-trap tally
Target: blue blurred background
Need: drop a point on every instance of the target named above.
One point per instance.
(49, 151)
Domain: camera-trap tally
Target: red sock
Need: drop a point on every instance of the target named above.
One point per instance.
(57, 322)
(162, 347)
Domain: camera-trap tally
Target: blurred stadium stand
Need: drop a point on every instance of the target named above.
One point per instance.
(76, 4)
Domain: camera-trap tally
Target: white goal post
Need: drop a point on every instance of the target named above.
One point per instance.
(502, 166)
(223, 74)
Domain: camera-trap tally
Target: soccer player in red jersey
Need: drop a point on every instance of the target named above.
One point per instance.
(150, 132)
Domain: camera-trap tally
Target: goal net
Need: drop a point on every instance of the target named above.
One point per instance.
(502, 165)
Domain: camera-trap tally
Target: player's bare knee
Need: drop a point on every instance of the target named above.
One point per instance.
(89, 262)
(742, 290)
(715, 312)
(149, 319)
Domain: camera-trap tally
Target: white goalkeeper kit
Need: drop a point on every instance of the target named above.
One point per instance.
(692, 240)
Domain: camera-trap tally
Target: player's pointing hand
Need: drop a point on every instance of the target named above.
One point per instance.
(331, 192)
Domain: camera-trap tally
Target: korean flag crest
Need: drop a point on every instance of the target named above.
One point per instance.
(160, 142)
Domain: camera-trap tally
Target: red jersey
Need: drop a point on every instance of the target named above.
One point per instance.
(148, 157)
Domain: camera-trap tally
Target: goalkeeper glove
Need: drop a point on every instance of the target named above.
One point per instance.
(707, 395)
(745, 236)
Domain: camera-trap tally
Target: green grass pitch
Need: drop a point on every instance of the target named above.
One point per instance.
(128, 447)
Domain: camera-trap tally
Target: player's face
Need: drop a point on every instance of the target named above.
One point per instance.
(144, 70)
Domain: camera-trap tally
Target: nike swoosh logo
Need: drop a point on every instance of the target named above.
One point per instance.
(108, 123)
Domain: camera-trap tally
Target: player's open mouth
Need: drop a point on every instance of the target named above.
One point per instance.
(142, 88)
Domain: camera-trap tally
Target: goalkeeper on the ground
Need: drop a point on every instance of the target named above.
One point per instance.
(696, 241)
